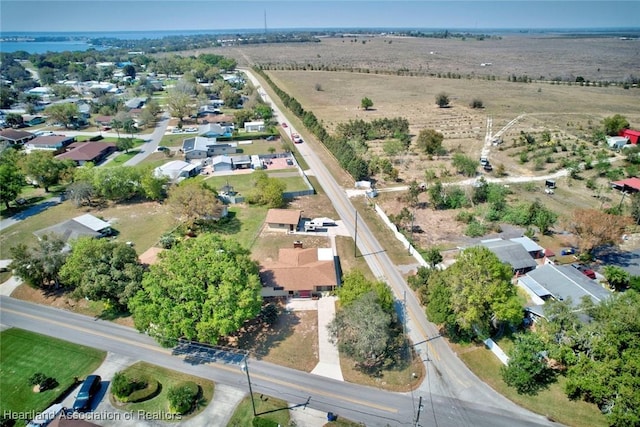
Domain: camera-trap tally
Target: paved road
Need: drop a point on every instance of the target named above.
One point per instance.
(371, 406)
(447, 375)
(31, 210)
(152, 143)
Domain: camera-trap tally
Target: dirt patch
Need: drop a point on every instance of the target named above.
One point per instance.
(292, 341)
(61, 299)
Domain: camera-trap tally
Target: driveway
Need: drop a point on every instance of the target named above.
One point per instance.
(31, 210)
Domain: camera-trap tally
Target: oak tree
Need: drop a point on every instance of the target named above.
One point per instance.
(203, 289)
(594, 228)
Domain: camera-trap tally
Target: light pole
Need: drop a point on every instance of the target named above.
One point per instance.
(245, 368)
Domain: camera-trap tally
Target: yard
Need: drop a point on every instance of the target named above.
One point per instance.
(273, 409)
(167, 378)
(23, 353)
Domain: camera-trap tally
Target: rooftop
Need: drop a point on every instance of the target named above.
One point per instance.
(283, 216)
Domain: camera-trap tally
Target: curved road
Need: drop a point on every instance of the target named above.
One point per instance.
(447, 375)
(371, 406)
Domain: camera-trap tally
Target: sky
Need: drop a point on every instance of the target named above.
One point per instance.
(146, 15)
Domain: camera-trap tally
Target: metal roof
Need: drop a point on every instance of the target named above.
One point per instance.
(528, 244)
(511, 253)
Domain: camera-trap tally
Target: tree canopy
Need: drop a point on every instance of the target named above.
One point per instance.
(43, 168)
(355, 285)
(194, 202)
(595, 228)
(40, 265)
(614, 124)
(473, 294)
(267, 191)
(11, 177)
(101, 269)
(527, 371)
(203, 289)
(430, 141)
(366, 103)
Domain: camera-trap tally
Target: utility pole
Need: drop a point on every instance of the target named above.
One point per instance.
(419, 410)
(355, 240)
(246, 369)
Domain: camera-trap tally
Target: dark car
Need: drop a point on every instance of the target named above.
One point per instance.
(88, 389)
(585, 270)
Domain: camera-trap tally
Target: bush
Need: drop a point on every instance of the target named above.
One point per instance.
(263, 422)
(476, 103)
(475, 229)
(183, 397)
(465, 217)
(151, 390)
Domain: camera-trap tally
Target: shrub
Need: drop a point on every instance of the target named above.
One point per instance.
(183, 397)
(476, 103)
(263, 422)
(151, 390)
(465, 217)
(128, 389)
(475, 229)
(37, 378)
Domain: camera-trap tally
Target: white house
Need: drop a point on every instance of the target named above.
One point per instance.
(254, 126)
(222, 163)
(177, 170)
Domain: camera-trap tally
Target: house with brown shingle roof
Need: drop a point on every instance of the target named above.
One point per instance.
(285, 220)
(92, 151)
(13, 136)
(299, 272)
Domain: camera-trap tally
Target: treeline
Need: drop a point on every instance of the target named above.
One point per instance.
(341, 144)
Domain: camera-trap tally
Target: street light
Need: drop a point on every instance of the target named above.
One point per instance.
(245, 367)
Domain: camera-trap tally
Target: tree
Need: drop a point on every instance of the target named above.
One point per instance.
(101, 269)
(182, 397)
(129, 70)
(476, 103)
(124, 144)
(366, 103)
(43, 168)
(617, 278)
(594, 228)
(442, 100)
(433, 256)
(527, 370)
(430, 141)
(481, 293)
(194, 202)
(179, 103)
(80, 192)
(268, 191)
(355, 285)
(39, 266)
(14, 119)
(465, 164)
(65, 113)
(11, 177)
(362, 331)
(116, 183)
(635, 207)
(614, 124)
(153, 187)
(203, 289)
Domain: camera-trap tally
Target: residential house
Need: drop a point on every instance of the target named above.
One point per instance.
(92, 151)
(199, 147)
(241, 162)
(629, 185)
(512, 253)
(213, 130)
(299, 272)
(222, 163)
(31, 120)
(562, 283)
(254, 126)
(135, 103)
(177, 170)
(285, 220)
(103, 120)
(85, 225)
(49, 142)
(14, 137)
(535, 250)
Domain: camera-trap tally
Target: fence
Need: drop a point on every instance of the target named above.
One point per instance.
(412, 250)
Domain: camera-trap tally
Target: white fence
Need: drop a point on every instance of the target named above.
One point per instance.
(401, 237)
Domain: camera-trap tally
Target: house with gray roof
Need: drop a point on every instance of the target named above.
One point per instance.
(85, 225)
(534, 249)
(562, 283)
(198, 147)
(512, 253)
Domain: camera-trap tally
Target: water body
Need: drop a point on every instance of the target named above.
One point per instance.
(79, 41)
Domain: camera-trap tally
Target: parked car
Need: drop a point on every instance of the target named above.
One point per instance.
(88, 389)
(585, 270)
(284, 125)
(162, 148)
(290, 162)
(487, 167)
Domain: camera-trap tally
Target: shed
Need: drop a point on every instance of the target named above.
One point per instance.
(629, 185)
(617, 142)
(534, 249)
(222, 163)
(286, 220)
(632, 135)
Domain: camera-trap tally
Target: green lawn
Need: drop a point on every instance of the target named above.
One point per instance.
(249, 220)
(121, 159)
(243, 415)
(23, 353)
(551, 402)
(167, 379)
(244, 183)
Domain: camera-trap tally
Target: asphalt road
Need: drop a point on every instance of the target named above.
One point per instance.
(371, 406)
(447, 375)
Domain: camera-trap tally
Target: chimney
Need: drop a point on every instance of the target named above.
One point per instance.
(297, 244)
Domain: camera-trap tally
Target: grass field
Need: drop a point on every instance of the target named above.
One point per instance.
(23, 353)
(266, 407)
(245, 183)
(141, 223)
(551, 402)
(167, 379)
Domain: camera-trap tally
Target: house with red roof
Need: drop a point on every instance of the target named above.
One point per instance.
(629, 185)
(92, 151)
